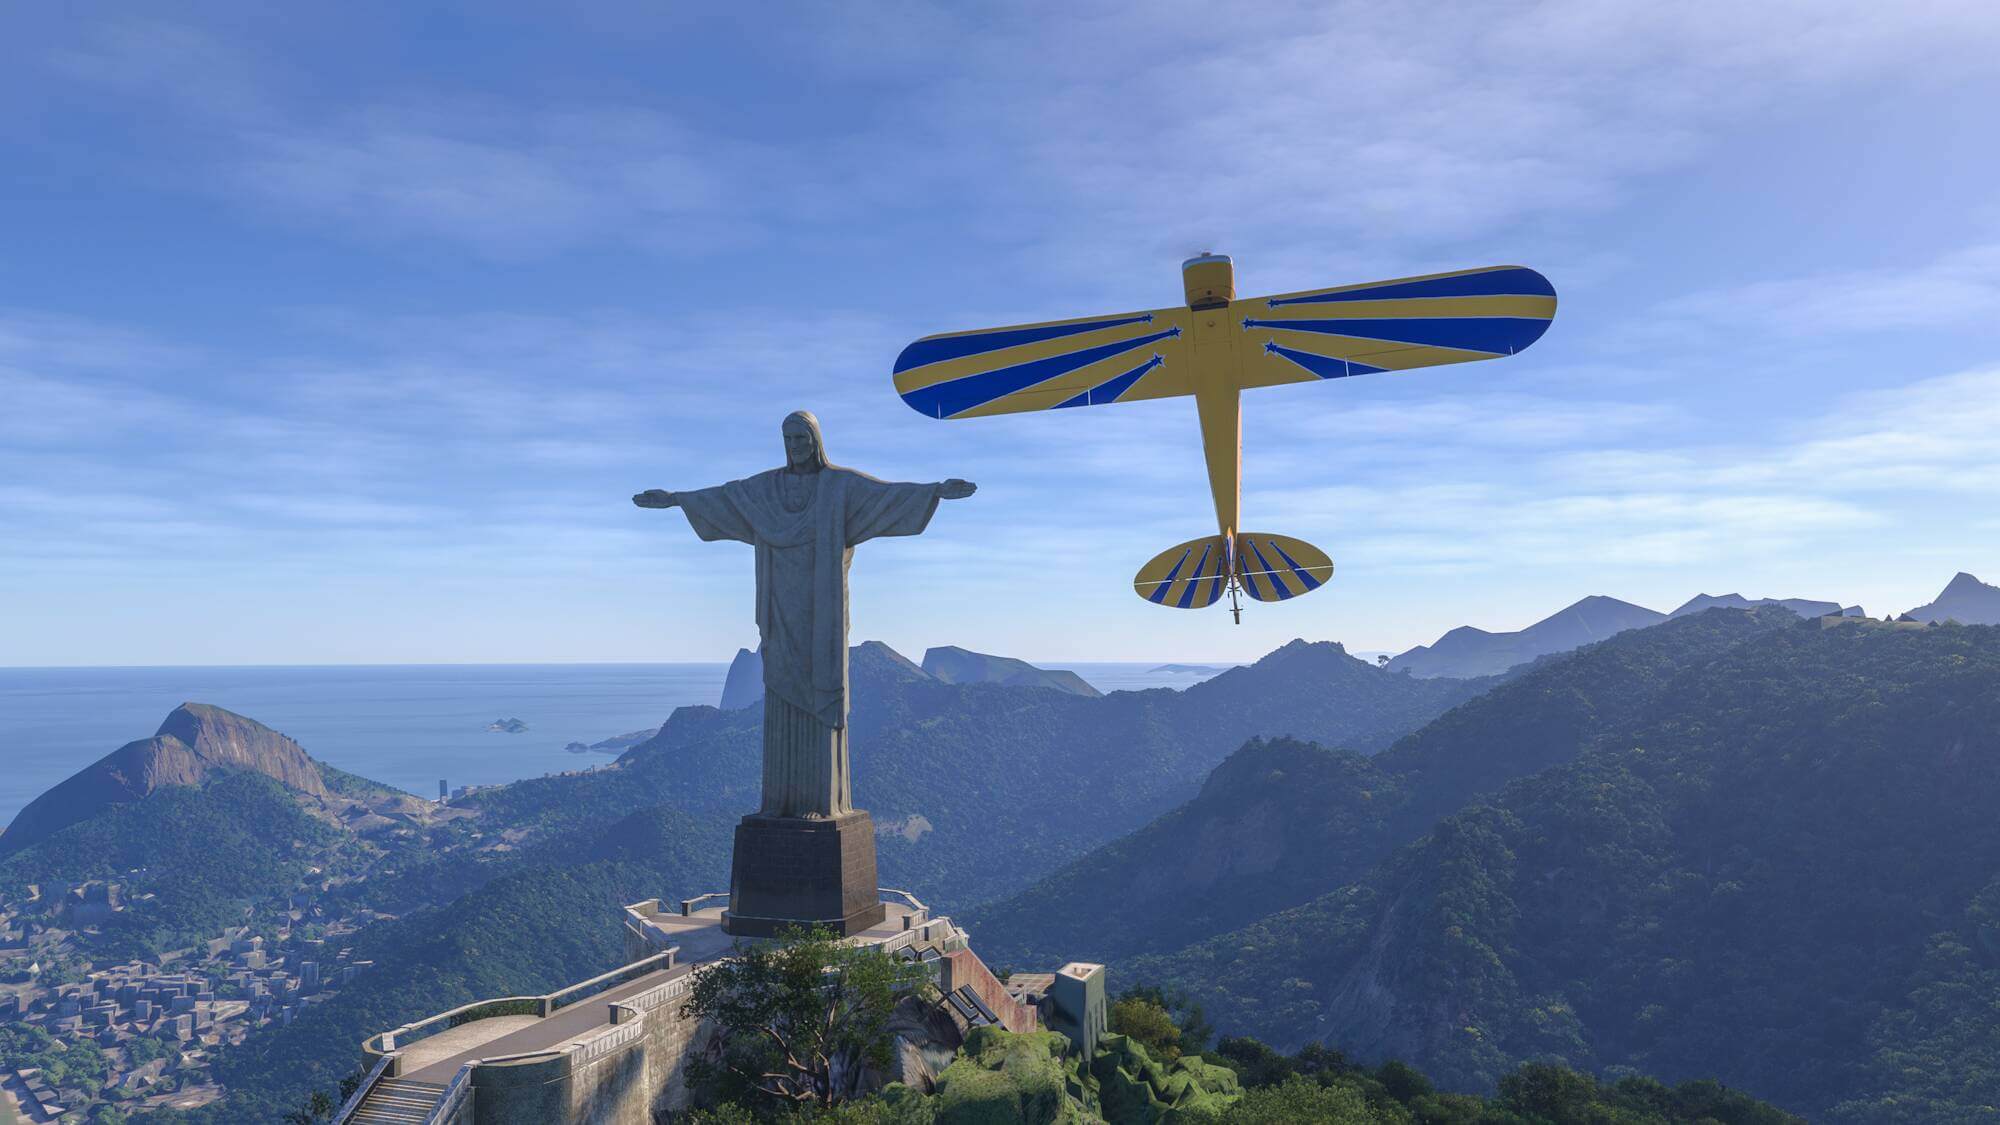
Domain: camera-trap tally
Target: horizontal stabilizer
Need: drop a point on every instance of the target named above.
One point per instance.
(1189, 576)
(1274, 568)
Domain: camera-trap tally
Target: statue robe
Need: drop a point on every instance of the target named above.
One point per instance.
(805, 527)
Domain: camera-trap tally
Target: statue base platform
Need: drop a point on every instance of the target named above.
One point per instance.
(802, 871)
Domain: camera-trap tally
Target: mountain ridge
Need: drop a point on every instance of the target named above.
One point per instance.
(1280, 821)
(196, 741)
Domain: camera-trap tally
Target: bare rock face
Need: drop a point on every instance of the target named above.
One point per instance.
(196, 741)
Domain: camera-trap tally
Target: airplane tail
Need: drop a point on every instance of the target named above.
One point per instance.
(1275, 568)
(1269, 568)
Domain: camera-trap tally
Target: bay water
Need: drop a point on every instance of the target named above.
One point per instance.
(404, 725)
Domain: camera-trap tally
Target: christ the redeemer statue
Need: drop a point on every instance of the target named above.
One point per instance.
(805, 520)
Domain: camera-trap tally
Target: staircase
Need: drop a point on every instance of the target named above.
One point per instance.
(397, 1101)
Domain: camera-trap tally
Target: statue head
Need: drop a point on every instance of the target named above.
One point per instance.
(805, 449)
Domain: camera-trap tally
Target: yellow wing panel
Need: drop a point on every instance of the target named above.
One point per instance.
(1190, 575)
(1086, 362)
(1392, 325)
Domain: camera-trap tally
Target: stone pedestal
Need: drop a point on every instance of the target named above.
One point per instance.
(800, 871)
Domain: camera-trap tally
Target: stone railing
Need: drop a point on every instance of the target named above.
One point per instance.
(455, 1095)
(604, 982)
(387, 1043)
(689, 905)
(603, 1041)
(360, 1093)
(916, 903)
(660, 994)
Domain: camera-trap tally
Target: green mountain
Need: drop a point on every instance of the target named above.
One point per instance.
(195, 742)
(215, 819)
(1281, 822)
(1779, 872)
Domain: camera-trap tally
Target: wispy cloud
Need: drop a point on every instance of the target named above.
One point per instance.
(1960, 288)
(1306, 133)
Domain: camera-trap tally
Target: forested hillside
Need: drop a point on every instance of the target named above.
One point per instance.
(993, 785)
(1281, 822)
(552, 920)
(1780, 873)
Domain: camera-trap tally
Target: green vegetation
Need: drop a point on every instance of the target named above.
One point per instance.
(1037, 1078)
(1281, 822)
(1000, 1076)
(80, 1065)
(798, 1020)
(1778, 871)
(208, 855)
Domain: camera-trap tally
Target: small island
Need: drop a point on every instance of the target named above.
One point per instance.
(1183, 670)
(507, 726)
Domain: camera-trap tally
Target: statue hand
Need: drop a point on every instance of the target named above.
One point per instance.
(955, 489)
(655, 498)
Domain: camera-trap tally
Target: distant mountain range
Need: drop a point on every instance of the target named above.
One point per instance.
(1470, 651)
(744, 685)
(1053, 772)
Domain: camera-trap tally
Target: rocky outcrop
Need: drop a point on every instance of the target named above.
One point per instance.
(744, 686)
(956, 665)
(1966, 600)
(195, 741)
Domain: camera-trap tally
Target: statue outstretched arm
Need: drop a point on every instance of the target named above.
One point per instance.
(656, 498)
(879, 507)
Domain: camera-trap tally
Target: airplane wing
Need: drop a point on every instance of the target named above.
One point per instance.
(1391, 325)
(1084, 362)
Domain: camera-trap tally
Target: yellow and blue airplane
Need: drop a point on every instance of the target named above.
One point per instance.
(1214, 348)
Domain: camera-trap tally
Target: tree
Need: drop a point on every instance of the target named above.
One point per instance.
(1192, 1031)
(317, 1107)
(800, 1019)
(1144, 1020)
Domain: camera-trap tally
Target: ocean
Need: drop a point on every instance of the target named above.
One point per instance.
(410, 726)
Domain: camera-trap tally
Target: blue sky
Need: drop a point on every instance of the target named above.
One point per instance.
(342, 334)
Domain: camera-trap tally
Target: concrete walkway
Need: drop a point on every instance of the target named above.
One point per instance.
(520, 1038)
(463, 1039)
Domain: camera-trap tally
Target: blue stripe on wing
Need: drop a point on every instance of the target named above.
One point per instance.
(1159, 596)
(1305, 579)
(1517, 281)
(937, 349)
(1497, 335)
(1194, 580)
(942, 400)
(1278, 587)
(1110, 389)
(1326, 367)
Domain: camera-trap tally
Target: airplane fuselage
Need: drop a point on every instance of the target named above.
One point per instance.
(1210, 284)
